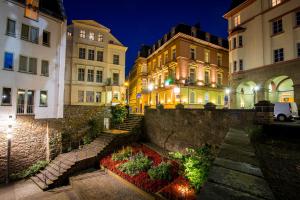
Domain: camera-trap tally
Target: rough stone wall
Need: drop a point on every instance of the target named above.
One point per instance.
(35, 140)
(178, 129)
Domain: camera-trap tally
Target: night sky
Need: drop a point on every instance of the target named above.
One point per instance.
(137, 22)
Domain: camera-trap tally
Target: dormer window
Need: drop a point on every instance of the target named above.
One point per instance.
(82, 33)
(32, 9)
(100, 38)
(92, 36)
(276, 2)
(237, 20)
(194, 32)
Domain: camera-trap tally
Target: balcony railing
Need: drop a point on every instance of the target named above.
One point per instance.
(21, 109)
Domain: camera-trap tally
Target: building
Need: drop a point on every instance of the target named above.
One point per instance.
(264, 37)
(187, 66)
(95, 65)
(32, 58)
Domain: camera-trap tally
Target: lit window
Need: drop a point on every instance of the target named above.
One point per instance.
(276, 2)
(45, 68)
(82, 33)
(32, 9)
(237, 20)
(6, 96)
(91, 55)
(90, 74)
(277, 26)
(80, 96)
(100, 38)
(193, 53)
(92, 36)
(98, 97)
(8, 60)
(116, 59)
(43, 98)
(278, 55)
(11, 28)
(82, 53)
(90, 96)
(116, 96)
(46, 38)
(81, 73)
(206, 56)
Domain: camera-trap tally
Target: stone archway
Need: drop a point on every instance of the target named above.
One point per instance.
(246, 95)
(279, 89)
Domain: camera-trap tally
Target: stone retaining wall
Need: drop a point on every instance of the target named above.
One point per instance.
(177, 129)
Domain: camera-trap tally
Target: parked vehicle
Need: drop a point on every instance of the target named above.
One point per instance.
(285, 111)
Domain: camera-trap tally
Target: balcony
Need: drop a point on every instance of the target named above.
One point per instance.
(23, 109)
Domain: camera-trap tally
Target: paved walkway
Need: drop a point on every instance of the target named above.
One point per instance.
(90, 186)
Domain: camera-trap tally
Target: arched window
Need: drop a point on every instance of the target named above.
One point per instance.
(206, 98)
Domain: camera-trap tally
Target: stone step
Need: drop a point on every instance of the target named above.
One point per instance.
(235, 153)
(49, 175)
(65, 159)
(242, 182)
(239, 131)
(239, 145)
(55, 171)
(212, 191)
(238, 166)
(237, 139)
(42, 179)
(39, 182)
(61, 164)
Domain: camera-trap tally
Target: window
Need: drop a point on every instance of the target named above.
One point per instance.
(23, 63)
(298, 18)
(237, 20)
(90, 77)
(81, 75)
(25, 32)
(8, 61)
(80, 96)
(98, 97)
(298, 50)
(100, 38)
(166, 58)
(116, 96)
(173, 54)
(192, 97)
(92, 36)
(91, 55)
(278, 55)
(206, 77)
(32, 9)
(219, 79)
(240, 41)
(277, 26)
(43, 99)
(6, 96)
(46, 38)
(11, 28)
(100, 56)
(276, 2)
(234, 43)
(82, 34)
(234, 66)
(192, 75)
(160, 61)
(116, 59)
(241, 65)
(69, 34)
(30, 34)
(82, 53)
(45, 68)
(219, 59)
(90, 96)
(193, 53)
(206, 56)
(99, 76)
(32, 66)
(116, 78)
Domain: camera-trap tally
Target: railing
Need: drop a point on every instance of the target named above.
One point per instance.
(21, 109)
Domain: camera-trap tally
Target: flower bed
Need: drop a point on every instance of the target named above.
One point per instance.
(141, 178)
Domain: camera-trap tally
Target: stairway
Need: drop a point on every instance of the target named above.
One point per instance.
(235, 173)
(133, 121)
(59, 169)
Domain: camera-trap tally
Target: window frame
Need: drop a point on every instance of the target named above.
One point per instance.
(82, 51)
(43, 105)
(90, 75)
(116, 57)
(100, 56)
(47, 68)
(48, 37)
(79, 74)
(99, 76)
(78, 95)
(277, 28)
(11, 60)
(93, 96)
(10, 99)
(278, 53)
(91, 54)
(7, 28)
(241, 65)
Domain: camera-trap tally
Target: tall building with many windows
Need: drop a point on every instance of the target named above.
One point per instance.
(264, 38)
(95, 65)
(187, 66)
(32, 58)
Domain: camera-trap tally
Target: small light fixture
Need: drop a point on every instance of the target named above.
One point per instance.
(227, 91)
(256, 88)
(176, 90)
(150, 87)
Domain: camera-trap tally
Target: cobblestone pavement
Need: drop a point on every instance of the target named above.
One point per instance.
(90, 186)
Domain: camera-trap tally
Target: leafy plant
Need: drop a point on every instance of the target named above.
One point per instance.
(123, 154)
(136, 164)
(119, 113)
(196, 164)
(161, 172)
(32, 170)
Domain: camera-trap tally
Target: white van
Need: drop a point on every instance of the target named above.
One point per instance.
(285, 111)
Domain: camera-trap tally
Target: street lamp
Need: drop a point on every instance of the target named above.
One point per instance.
(9, 136)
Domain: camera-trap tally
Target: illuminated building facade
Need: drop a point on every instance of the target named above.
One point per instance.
(187, 66)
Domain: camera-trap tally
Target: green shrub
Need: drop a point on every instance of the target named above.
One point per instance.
(196, 164)
(119, 114)
(136, 164)
(161, 172)
(123, 154)
(31, 171)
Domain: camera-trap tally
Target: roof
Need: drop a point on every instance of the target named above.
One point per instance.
(53, 8)
(236, 3)
(91, 23)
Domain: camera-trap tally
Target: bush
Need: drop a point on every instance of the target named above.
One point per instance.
(196, 164)
(119, 114)
(136, 164)
(92, 133)
(161, 172)
(123, 154)
(31, 171)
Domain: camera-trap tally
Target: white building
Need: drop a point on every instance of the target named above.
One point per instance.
(95, 65)
(264, 37)
(32, 58)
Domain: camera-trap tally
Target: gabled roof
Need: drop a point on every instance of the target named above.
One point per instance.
(54, 8)
(91, 23)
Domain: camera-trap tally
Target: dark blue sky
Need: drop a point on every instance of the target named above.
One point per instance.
(137, 22)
